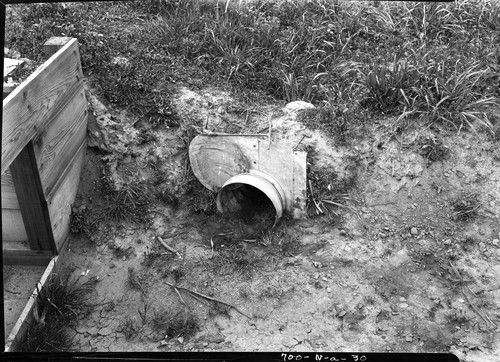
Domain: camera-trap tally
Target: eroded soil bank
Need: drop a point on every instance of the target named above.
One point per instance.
(394, 268)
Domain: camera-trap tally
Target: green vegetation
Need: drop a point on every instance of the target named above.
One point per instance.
(58, 304)
(434, 62)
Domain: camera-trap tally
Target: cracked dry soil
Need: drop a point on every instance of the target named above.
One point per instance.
(396, 273)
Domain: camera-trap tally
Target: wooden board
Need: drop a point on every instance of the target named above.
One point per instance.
(31, 106)
(9, 197)
(13, 226)
(61, 140)
(32, 202)
(16, 253)
(63, 196)
(21, 326)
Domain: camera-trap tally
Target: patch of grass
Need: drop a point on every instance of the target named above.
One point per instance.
(436, 62)
(58, 305)
(280, 241)
(465, 206)
(458, 317)
(235, 260)
(129, 203)
(175, 323)
(50, 337)
(339, 124)
(432, 148)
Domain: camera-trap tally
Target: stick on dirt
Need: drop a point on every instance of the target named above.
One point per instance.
(209, 298)
(166, 246)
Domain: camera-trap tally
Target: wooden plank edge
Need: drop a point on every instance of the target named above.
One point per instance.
(34, 129)
(26, 317)
(41, 69)
(26, 257)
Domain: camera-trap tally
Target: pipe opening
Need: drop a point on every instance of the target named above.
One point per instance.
(247, 202)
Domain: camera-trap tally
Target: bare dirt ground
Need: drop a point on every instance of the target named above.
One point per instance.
(393, 271)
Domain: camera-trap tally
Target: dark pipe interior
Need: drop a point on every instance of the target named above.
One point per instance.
(248, 202)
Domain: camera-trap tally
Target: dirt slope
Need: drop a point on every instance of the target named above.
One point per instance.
(393, 271)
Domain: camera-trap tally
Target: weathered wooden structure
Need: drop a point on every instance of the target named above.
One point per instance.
(44, 132)
(43, 146)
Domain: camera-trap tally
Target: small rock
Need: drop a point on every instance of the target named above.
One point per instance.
(403, 305)
(296, 106)
(105, 331)
(180, 340)
(328, 290)
(112, 265)
(414, 231)
(205, 344)
(495, 242)
(93, 331)
(124, 258)
(409, 339)
(447, 242)
(324, 279)
(402, 299)
(341, 314)
(316, 276)
(317, 264)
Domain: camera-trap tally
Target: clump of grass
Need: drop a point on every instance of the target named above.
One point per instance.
(82, 220)
(458, 317)
(235, 260)
(335, 122)
(58, 305)
(280, 240)
(175, 323)
(432, 148)
(130, 202)
(389, 85)
(465, 206)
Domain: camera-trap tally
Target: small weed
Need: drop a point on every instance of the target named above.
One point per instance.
(150, 258)
(129, 327)
(432, 148)
(175, 323)
(369, 300)
(465, 206)
(280, 241)
(244, 292)
(235, 259)
(129, 203)
(335, 122)
(133, 281)
(469, 242)
(80, 220)
(458, 317)
(177, 274)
